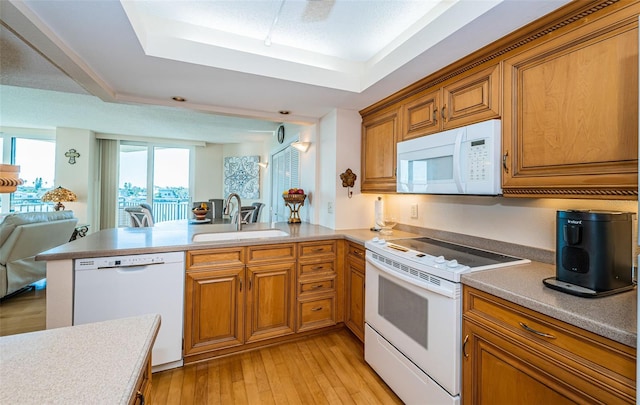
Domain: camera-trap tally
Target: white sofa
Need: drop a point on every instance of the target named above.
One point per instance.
(22, 237)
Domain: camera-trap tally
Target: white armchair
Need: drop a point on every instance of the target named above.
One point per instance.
(22, 237)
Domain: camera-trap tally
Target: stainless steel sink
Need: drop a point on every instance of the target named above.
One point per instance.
(238, 235)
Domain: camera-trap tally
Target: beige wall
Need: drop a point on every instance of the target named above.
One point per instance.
(524, 221)
(339, 150)
(81, 177)
(207, 181)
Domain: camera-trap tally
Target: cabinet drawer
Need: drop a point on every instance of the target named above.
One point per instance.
(264, 253)
(567, 344)
(316, 286)
(313, 249)
(315, 268)
(316, 313)
(356, 251)
(202, 259)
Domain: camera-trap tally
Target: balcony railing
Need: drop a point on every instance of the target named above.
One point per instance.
(161, 210)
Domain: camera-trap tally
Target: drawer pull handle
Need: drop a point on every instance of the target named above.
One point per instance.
(318, 268)
(315, 287)
(358, 253)
(316, 309)
(240, 285)
(140, 396)
(528, 329)
(318, 249)
(464, 346)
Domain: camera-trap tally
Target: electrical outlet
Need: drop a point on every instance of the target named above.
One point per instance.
(330, 207)
(414, 210)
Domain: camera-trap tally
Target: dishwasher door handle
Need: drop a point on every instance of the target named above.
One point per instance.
(131, 266)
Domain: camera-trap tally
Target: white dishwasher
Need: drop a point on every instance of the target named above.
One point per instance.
(114, 287)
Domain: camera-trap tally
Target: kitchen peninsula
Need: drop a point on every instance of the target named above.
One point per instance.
(610, 317)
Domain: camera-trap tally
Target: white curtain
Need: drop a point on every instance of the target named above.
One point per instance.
(109, 155)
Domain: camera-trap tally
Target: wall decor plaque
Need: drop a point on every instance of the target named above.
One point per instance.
(241, 176)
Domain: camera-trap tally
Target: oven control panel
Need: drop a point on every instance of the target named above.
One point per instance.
(439, 262)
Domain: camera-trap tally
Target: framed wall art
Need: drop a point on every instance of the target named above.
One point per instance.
(241, 176)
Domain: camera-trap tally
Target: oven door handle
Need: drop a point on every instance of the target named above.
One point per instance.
(424, 285)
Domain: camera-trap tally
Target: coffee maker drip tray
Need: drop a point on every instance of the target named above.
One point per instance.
(573, 289)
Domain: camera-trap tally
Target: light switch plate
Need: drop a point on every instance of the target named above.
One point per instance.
(330, 207)
(414, 210)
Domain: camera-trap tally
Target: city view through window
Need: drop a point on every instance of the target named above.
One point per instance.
(166, 167)
(36, 158)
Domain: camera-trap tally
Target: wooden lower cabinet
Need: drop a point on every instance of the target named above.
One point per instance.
(504, 362)
(319, 284)
(316, 312)
(142, 390)
(229, 303)
(214, 309)
(354, 287)
(270, 301)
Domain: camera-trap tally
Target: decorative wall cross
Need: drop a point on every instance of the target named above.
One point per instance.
(72, 155)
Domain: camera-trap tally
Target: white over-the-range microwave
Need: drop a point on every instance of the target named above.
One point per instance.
(458, 161)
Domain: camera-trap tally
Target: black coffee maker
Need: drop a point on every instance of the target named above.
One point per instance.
(594, 254)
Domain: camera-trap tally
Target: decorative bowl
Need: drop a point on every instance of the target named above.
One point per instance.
(294, 198)
(200, 213)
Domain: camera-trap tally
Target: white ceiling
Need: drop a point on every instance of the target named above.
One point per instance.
(113, 66)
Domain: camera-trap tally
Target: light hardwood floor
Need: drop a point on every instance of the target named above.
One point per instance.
(321, 369)
(24, 312)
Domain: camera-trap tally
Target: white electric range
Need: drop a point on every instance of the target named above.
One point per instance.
(413, 314)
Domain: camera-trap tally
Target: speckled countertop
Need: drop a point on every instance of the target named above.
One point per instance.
(96, 363)
(175, 236)
(614, 317)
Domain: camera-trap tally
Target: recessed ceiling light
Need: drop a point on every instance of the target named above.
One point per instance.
(178, 98)
(284, 112)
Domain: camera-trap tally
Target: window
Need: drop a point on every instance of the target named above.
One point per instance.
(36, 158)
(163, 170)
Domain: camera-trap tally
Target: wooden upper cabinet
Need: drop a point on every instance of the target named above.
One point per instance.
(570, 122)
(471, 99)
(422, 115)
(462, 101)
(379, 138)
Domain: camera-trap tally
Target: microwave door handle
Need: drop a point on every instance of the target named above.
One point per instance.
(457, 169)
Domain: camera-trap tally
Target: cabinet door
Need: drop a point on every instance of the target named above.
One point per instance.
(270, 301)
(214, 309)
(379, 137)
(495, 371)
(355, 297)
(570, 123)
(471, 99)
(421, 116)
